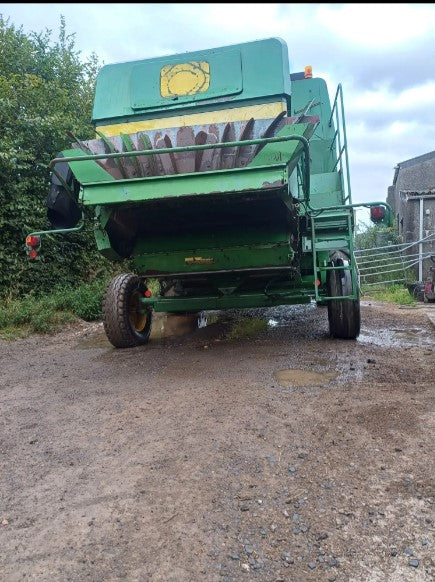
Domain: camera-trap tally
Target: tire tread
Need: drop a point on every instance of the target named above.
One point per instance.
(116, 316)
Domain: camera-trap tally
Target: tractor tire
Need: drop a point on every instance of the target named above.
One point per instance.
(125, 325)
(344, 316)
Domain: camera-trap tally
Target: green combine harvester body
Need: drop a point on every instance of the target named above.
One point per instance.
(222, 175)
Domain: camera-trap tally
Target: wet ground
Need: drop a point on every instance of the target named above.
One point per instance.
(287, 456)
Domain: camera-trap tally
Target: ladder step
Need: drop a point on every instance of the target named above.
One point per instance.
(342, 268)
(331, 244)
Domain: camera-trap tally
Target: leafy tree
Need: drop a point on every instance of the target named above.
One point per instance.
(375, 235)
(45, 91)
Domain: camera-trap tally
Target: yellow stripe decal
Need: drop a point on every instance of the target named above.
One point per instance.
(264, 111)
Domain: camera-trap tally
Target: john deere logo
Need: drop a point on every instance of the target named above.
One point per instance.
(184, 79)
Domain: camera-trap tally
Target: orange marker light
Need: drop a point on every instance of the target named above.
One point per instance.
(308, 73)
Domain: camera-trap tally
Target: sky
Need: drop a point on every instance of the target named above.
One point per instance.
(382, 54)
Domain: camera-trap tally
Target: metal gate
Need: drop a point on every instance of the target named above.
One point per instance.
(393, 263)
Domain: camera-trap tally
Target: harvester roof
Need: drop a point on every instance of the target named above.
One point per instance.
(239, 76)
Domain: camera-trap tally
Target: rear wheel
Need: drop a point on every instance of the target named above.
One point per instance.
(126, 322)
(343, 315)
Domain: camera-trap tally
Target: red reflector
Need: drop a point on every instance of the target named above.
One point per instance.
(33, 254)
(377, 212)
(147, 293)
(33, 241)
(316, 282)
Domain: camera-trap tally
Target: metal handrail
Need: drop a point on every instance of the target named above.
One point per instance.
(342, 149)
(77, 228)
(242, 143)
(347, 206)
(339, 158)
(334, 105)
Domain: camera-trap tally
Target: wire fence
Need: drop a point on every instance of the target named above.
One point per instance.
(392, 263)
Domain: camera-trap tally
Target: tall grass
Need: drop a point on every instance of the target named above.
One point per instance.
(48, 313)
(390, 293)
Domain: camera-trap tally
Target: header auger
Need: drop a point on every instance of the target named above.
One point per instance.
(222, 175)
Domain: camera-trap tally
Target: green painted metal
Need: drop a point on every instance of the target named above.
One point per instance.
(348, 245)
(315, 91)
(84, 168)
(162, 187)
(240, 74)
(346, 206)
(275, 150)
(104, 245)
(226, 79)
(265, 236)
(42, 233)
(326, 190)
(59, 230)
(240, 301)
(339, 94)
(229, 258)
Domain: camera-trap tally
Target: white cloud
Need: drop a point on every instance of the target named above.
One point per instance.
(383, 99)
(378, 25)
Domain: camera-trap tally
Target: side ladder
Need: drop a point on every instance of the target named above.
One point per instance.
(333, 232)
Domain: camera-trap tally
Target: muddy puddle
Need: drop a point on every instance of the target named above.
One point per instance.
(397, 337)
(164, 325)
(296, 378)
(98, 341)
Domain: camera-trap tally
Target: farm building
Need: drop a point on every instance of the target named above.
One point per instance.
(412, 197)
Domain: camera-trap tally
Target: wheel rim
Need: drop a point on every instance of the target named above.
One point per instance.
(138, 318)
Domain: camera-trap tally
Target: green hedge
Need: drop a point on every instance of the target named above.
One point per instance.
(46, 90)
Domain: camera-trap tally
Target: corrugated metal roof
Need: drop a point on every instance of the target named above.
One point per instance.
(418, 192)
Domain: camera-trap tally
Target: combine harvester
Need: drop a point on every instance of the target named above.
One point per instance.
(223, 176)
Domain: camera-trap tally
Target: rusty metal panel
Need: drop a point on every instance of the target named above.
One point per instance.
(244, 153)
(147, 163)
(228, 154)
(186, 162)
(204, 159)
(167, 160)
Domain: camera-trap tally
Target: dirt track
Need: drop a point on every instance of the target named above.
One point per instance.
(197, 458)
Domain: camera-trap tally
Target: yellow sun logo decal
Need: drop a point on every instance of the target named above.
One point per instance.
(184, 79)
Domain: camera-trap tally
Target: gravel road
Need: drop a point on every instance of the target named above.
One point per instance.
(288, 456)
